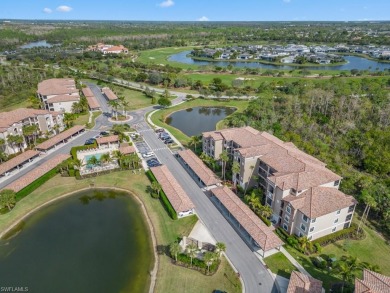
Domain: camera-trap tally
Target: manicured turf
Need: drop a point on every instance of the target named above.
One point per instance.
(166, 229)
(280, 265)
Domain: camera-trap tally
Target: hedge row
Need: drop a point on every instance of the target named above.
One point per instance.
(163, 198)
(34, 185)
(266, 221)
(197, 264)
(75, 149)
(350, 232)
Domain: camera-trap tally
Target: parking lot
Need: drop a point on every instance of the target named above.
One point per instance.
(148, 157)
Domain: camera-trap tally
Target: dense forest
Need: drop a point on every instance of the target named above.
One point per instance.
(344, 123)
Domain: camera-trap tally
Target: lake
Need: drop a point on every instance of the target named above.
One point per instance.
(354, 62)
(194, 121)
(93, 241)
(37, 44)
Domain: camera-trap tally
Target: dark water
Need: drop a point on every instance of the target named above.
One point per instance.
(36, 44)
(95, 241)
(194, 121)
(354, 62)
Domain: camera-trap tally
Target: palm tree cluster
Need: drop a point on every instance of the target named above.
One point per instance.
(120, 102)
(254, 202)
(209, 161)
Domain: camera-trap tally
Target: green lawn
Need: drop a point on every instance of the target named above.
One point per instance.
(280, 265)
(82, 119)
(159, 117)
(166, 229)
(94, 116)
(136, 99)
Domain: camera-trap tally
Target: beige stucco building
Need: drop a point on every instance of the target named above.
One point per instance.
(11, 123)
(58, 94)
(301, 191)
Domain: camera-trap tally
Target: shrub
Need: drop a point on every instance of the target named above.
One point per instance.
(317, 247)
(266, 221)
(350, 232)
(282, 233)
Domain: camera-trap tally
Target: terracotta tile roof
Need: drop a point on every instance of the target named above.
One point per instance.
(213, 134)
(59, 137)
(57, 86)
(259, 231)
(174, 192)
(320, 201)
(38, 172)
(301, 283)
(87, 92)
(126, 149)
(205, 174)
(63, 98)
(93, 102)
(16, 161)
(109, 94)
(107, 139)
(7, 119)
(372, 283)
(116, 48)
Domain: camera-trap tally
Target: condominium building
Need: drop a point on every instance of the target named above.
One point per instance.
(11, 123)
(58, 94)
(301, 191)
(108, 49)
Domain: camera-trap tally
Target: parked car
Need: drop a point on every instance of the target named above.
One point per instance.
(168, 141)
(159, 130)
(134, 135)
(89, 141)
(153, 163)
(97, 136)
(186, 213)
(148, 154)
(104, 133)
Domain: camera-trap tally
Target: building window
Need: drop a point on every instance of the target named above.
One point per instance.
(300, 234)
(351, 208)
(336, 183)
(334, 229)
(269, 201)
(311, 229)
(303, 227)
(338, 212)
(287, 218)
(288, 210)
(348, 218)
(313, 220)
(285, 227)
(346, 225)
(336, 221)
(305, 218)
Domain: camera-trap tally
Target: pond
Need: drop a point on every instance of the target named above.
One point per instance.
(37, 44)
(354, 62)
(93, 241)
(194, 121)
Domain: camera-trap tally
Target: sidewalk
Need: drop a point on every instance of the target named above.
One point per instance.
(293, 261)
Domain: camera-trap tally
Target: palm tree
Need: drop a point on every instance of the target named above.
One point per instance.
(348, 268)
(93, 161)
(253, 201)
(125, 104)
(7, 198)
(266, 211)
(114, 104)
(77, 163)
(15, 140)
(209, 257)
(156, 187)
(191, 251)
(224, 157)
(235, 170)
(219, 248)
(118, 156)
(194, 140)
(305, 243)
(105, 158)
(174, 249)
(30, 131)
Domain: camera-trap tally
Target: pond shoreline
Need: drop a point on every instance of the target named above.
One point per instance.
(152, 274)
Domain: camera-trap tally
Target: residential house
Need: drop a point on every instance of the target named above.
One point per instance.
(108, 49)
(372, 283)
(11, 123)
(301, 283)
(58, 94)
(301, 191)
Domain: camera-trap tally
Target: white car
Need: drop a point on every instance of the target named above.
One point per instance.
(147, 155)
(186, 213)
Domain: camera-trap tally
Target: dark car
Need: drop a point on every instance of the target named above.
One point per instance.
(153, 163)
(89, 141)
(104, 133)
(159, 130)
(167, 141)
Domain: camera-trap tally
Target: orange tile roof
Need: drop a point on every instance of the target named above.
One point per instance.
(107, 139)
(109, 94)
(16, 161)
(87, 92)
(372, 283)
(57, 86)
(36, 173)
(259, 231)
(92, 102)
(320, 201)
(7, 119)
(174, 192)
(64, 98)
(301, 283)
(126, 149)
(205, 174)
(59, 137)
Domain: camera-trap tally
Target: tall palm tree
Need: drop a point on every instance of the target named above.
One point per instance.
(219, 248)
(224, 157)
(174, 249)
(305, 243)
(30, 131)
(15, 140)
(114, 105)
(118, 156)
(209, 257)
(194, 140)
(235, 170)
(125, 104)
(93, 161)
(253, 201)
(105, 158)
(156, 187)
(191, 251)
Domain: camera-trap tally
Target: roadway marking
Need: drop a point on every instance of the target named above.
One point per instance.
(159, 149)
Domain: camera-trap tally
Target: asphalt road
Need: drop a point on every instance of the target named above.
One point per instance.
(256, 278)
